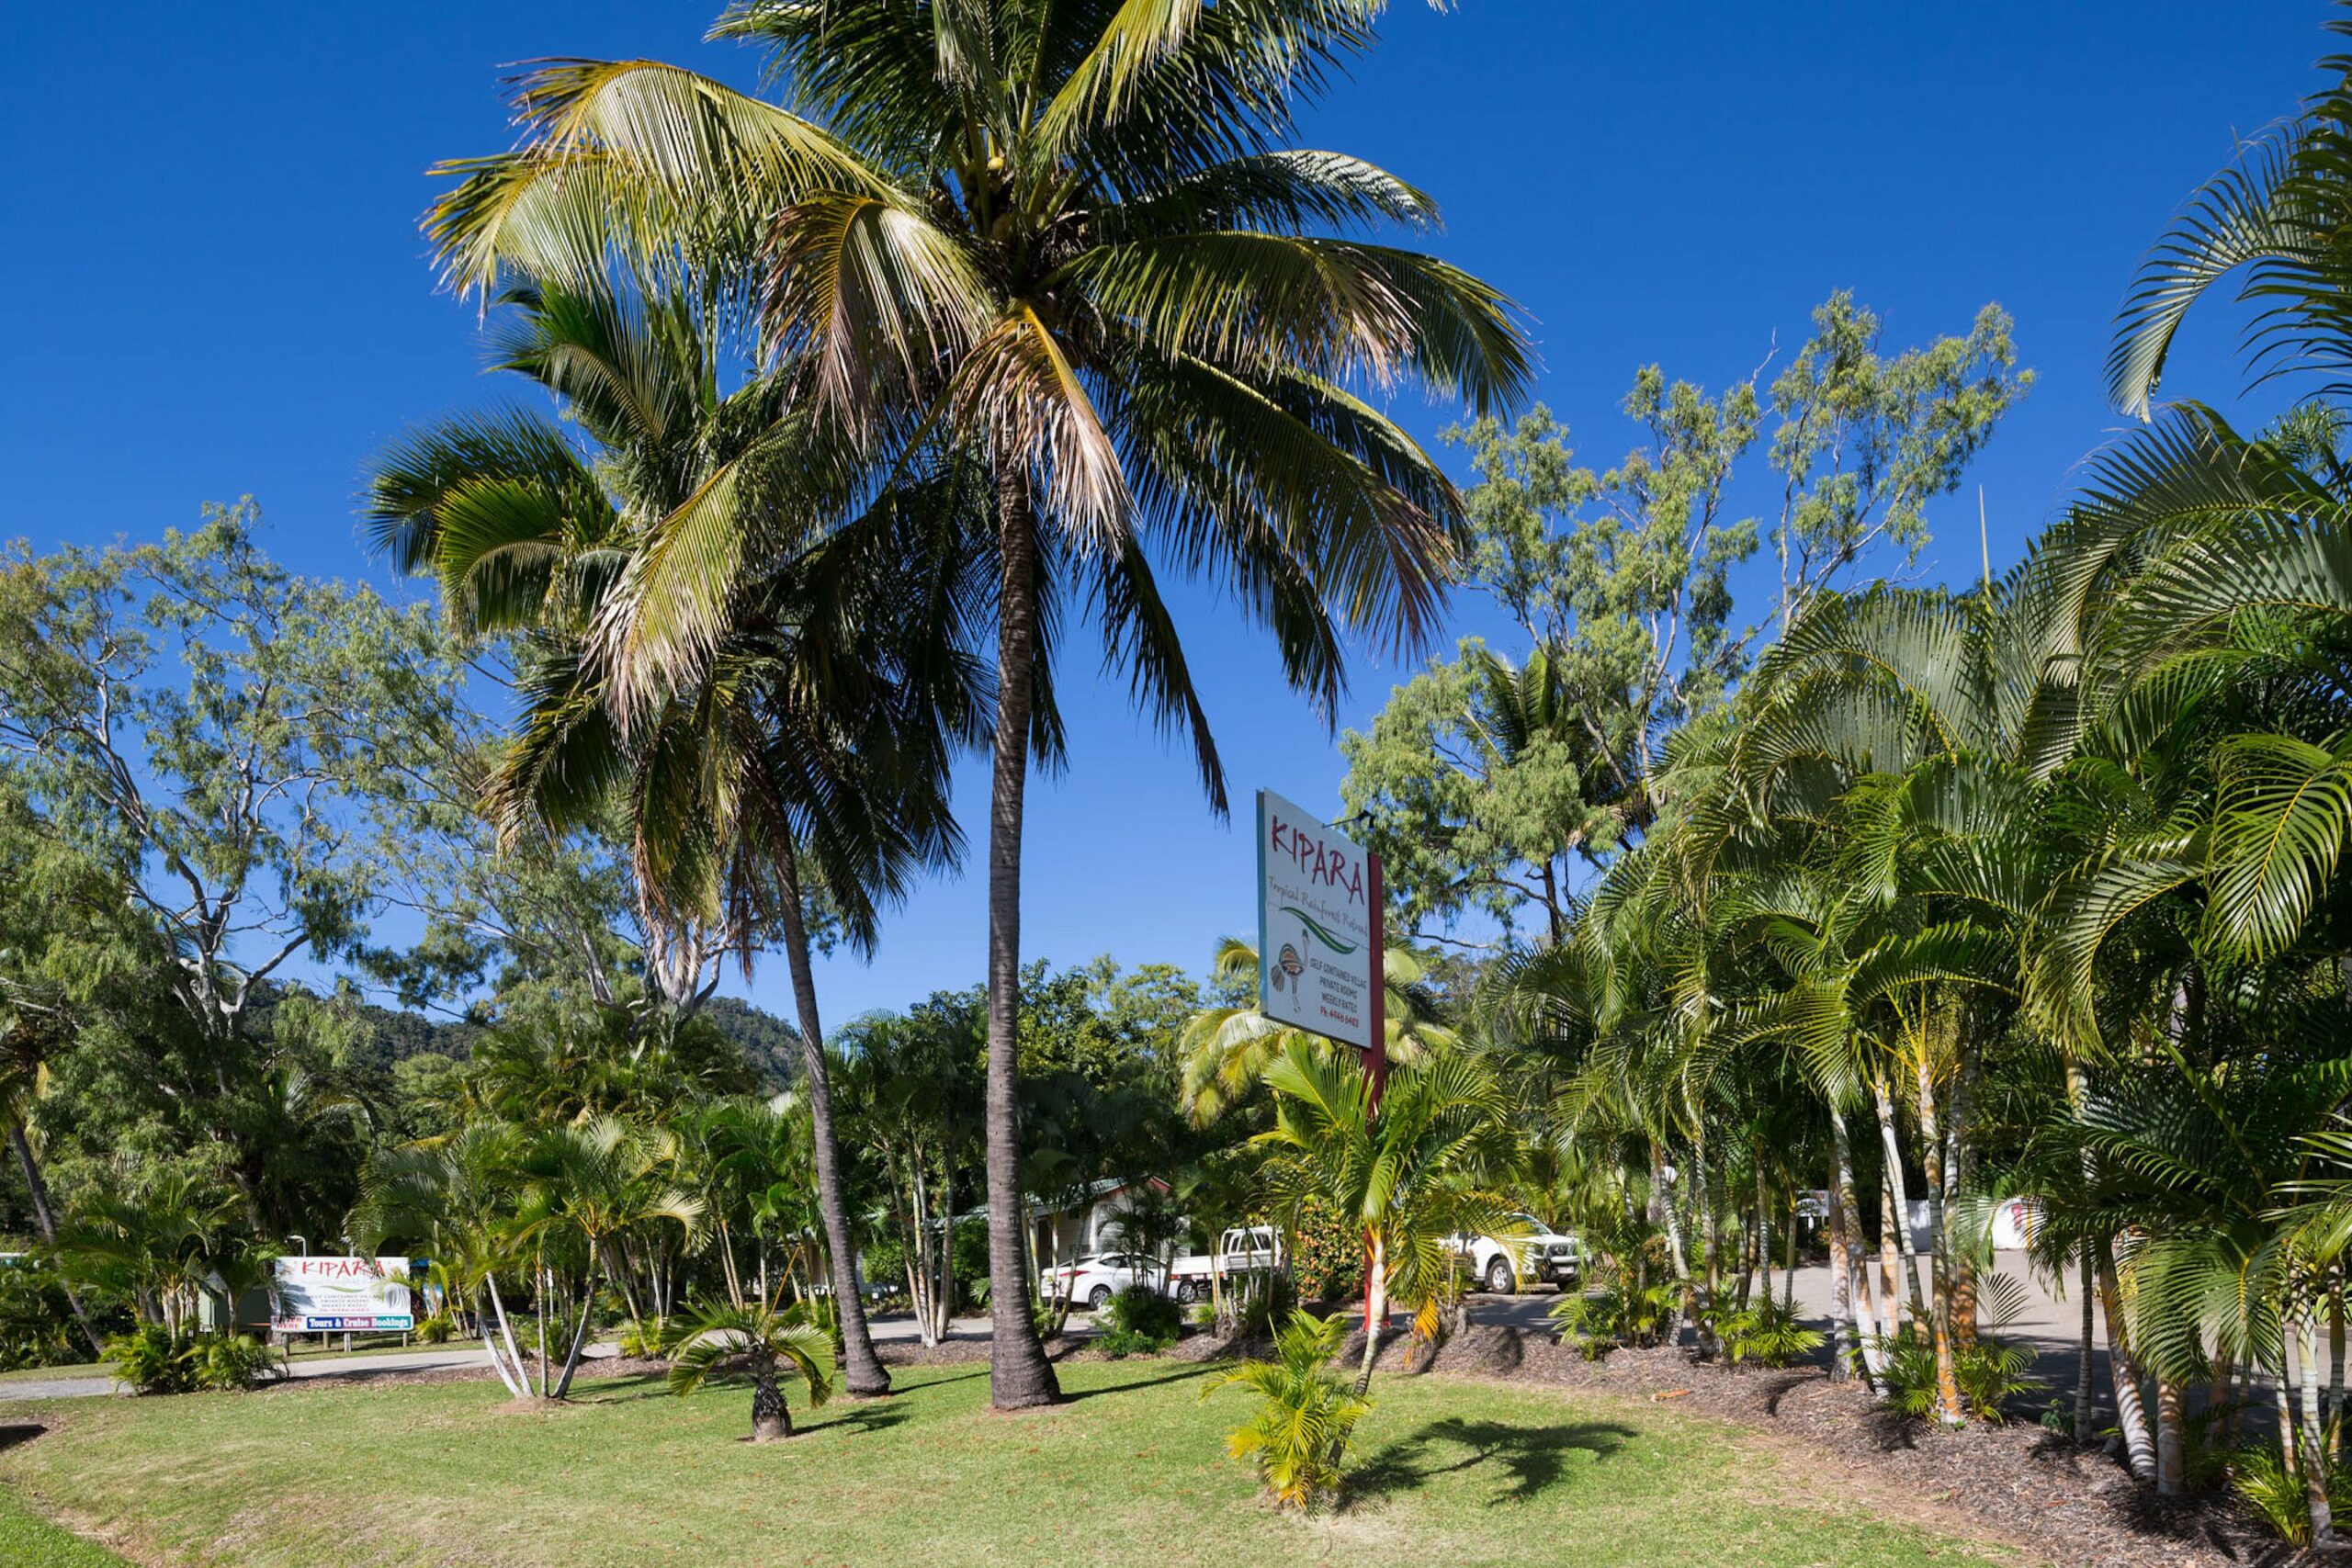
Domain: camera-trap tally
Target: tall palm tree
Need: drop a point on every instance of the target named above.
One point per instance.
(789, 763)
(1062, 239)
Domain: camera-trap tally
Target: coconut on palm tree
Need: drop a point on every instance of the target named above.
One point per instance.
(1065, 241)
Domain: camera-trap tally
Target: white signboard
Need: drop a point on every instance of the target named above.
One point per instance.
(1318, 926)
(316, 1294)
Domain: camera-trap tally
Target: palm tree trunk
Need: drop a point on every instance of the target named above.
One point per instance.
(2302, 1342)
(1920, 1322)
(1788, 1261)
(1959, 1175)
(45, 1217)
(507, 1330)
(2084, 1367)
(511, 1377)
(1848, 1260)
(1376, 1306)
(770, 1418)
(1019, 1374)
(2172, 1437)
(2130, 1411)
(862, 1371)
(1948, 1406)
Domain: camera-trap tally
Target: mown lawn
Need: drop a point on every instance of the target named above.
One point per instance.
(1131, 1470)
(29, 1542)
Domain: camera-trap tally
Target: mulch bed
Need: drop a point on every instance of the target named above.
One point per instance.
(2016, 1482)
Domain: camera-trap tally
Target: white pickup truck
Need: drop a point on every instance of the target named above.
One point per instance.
(1242, 1250)
(1537, 1252)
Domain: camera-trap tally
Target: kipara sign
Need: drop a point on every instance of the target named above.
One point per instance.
(1318, 926)
(322, 1293)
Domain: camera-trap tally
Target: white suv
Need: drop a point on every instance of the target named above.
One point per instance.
(1539, 1252)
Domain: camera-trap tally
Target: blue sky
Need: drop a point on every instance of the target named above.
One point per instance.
(217, 288)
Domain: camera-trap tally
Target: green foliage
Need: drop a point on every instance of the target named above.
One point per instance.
(754, 1340)
(1486, 779)
(2258, 1475)
(1765, 1334)
(646, 1341)
(152, 1360)
(1298, 1438)
(1148, 1319)
(37, 1326)
(1615, 1317)
(1989, 1372)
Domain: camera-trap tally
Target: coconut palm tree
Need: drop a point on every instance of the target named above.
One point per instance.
(787, 766)
(762, 1342)
(1064, 241)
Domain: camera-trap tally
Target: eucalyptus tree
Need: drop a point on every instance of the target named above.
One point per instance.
(1065, 242)
(791, 772)
(191, 712)
(1492, 779)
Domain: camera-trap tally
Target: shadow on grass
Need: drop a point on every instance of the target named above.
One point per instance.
(877, 1416)
(1187, 1375)
(15, 1432)
(1532, 1458)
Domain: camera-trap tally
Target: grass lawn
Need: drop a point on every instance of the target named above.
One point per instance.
(29, 1542)
(1131, 1470)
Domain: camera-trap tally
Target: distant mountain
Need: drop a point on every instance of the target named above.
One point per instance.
(772, 1045)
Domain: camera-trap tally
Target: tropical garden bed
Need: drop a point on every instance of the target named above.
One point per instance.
(1132, 1469)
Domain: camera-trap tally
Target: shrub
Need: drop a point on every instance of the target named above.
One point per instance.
(229, 1361)
(645, 1341)
(1260, 1304)
(152, 1361)
(437, 1329)
(1141, 1310)
(37, 1326)
(2259, 1475)
(1326, 1253)
(1607, 1319)
(1988, 1372)
(1306, 1413)
(1767, 1334)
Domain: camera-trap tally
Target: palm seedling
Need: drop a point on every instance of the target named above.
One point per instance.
(1306, 1413)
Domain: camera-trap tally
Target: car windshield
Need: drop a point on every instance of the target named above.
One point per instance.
(1535, 1226)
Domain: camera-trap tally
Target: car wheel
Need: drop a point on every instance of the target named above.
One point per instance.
(1187, 1293)
(1499, 1278)
(1099, 1298)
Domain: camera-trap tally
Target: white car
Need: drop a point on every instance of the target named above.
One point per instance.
(1539, 1252)
(1094, 1279)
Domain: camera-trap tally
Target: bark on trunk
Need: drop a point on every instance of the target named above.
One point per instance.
(1947, 1405)
(1920, 1322)
(1019, 1374)
(2130, 1412)
(2172, 1439)
(2087, 1364)
(770, 1418)
(862, 1371)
